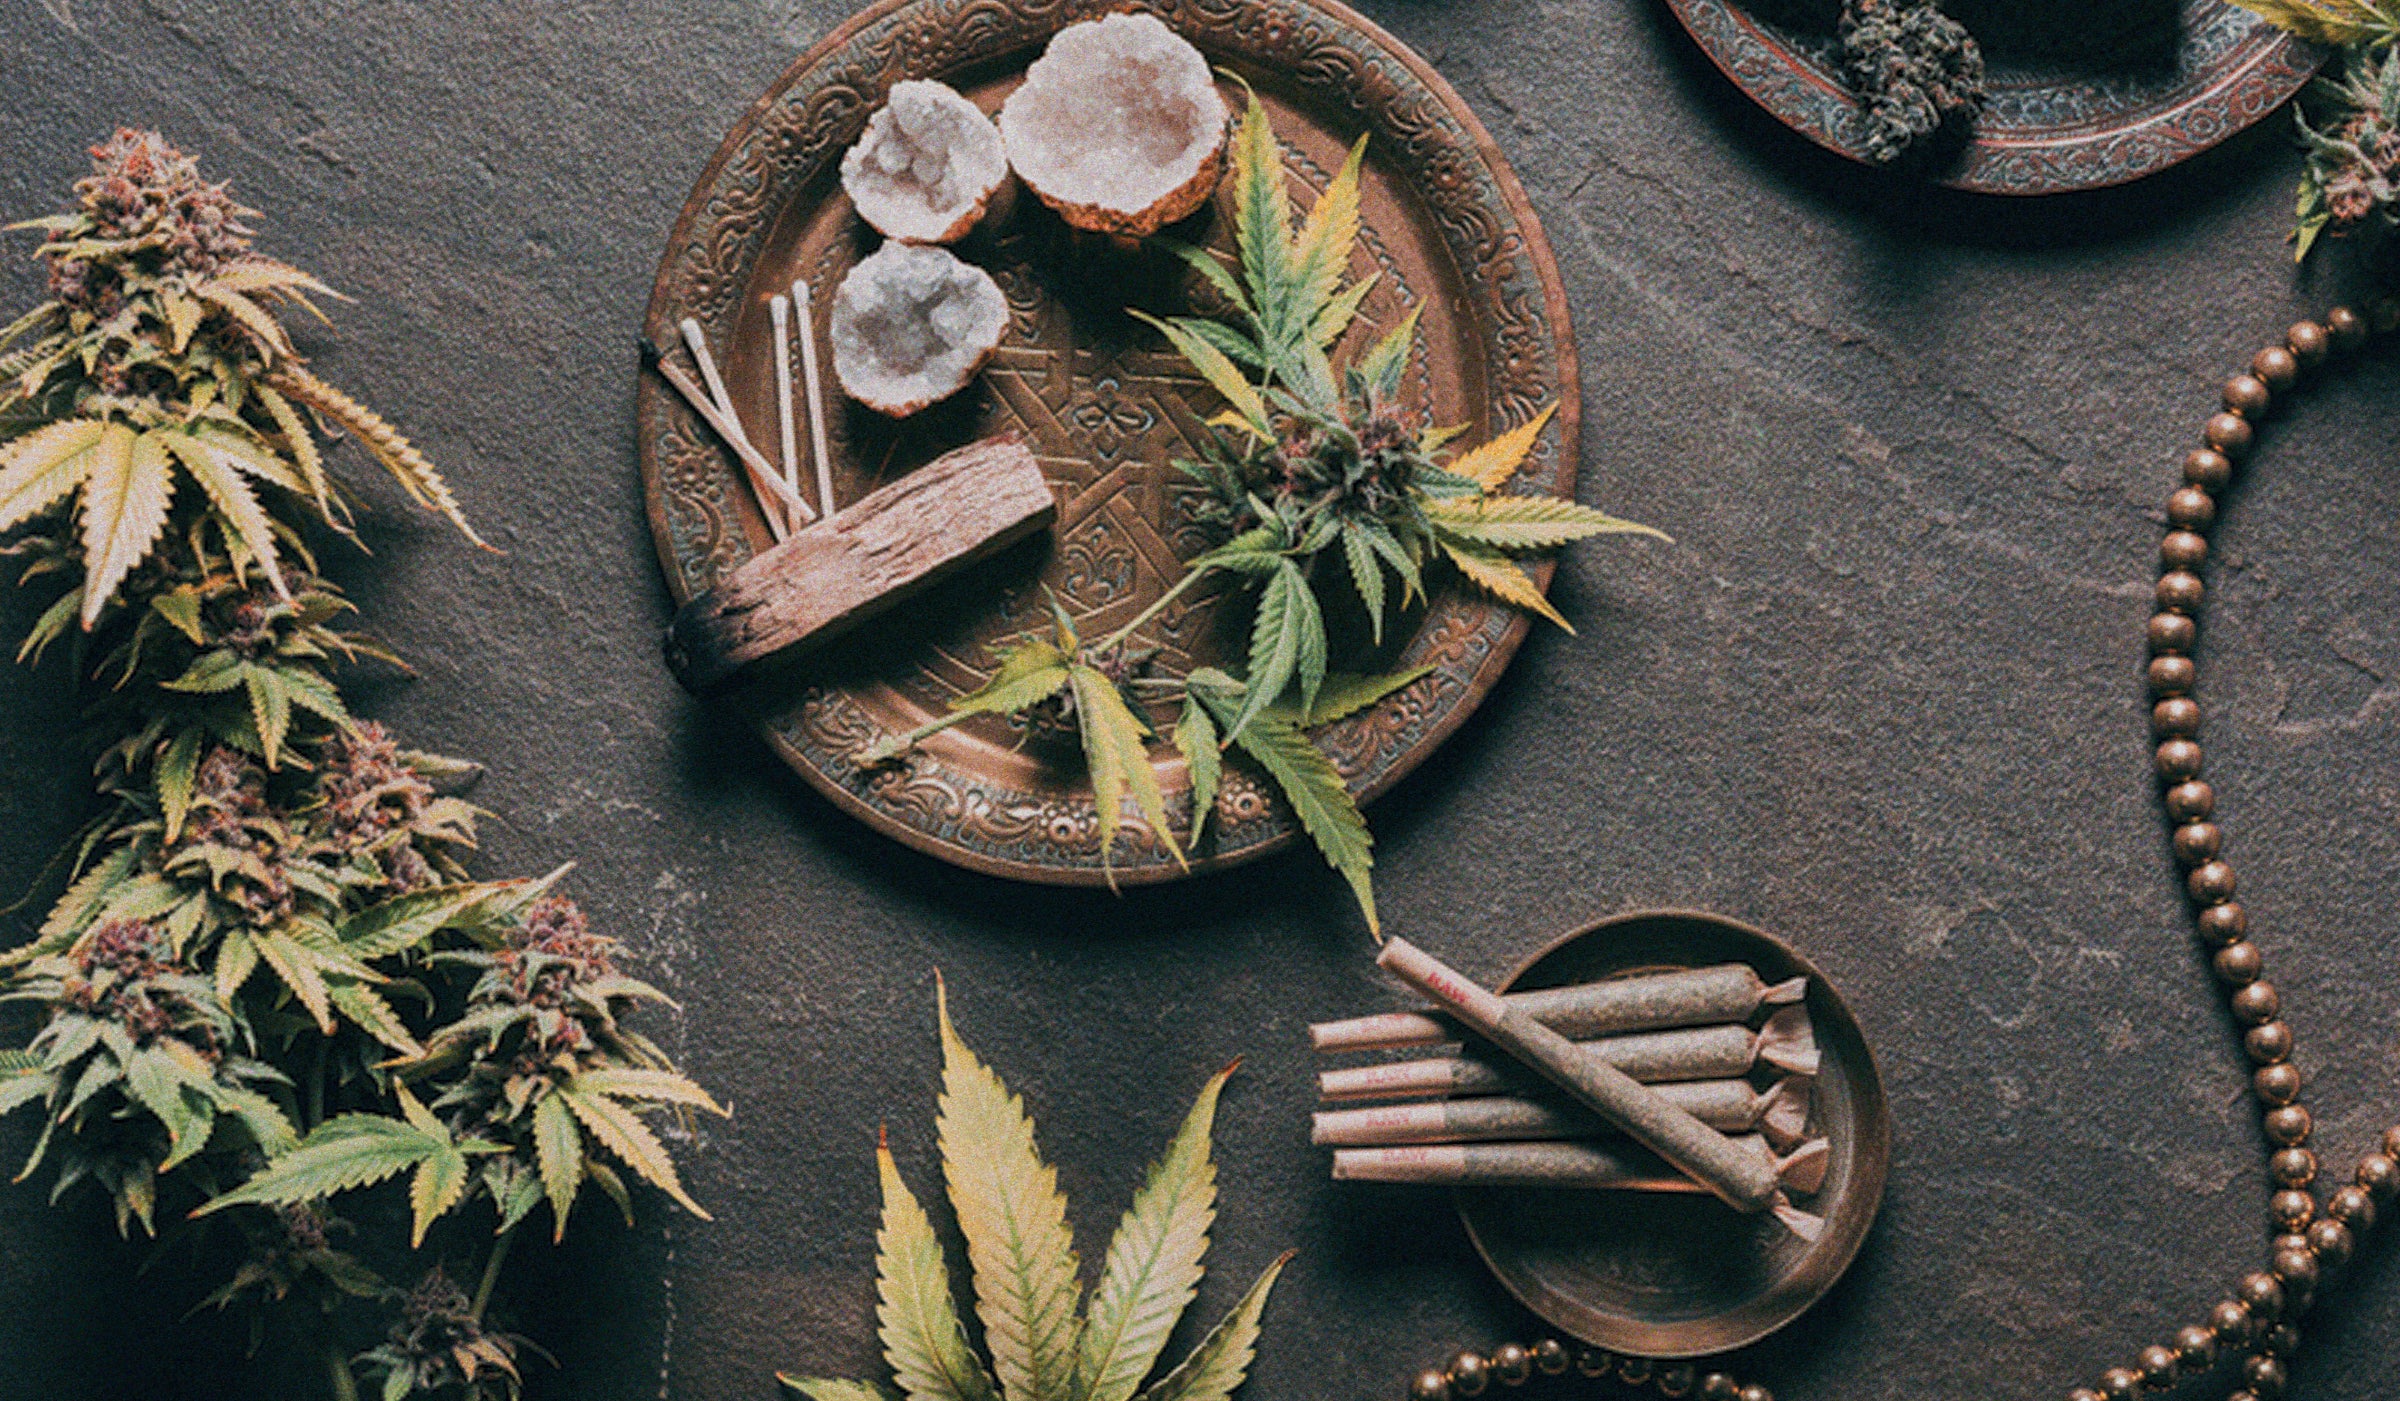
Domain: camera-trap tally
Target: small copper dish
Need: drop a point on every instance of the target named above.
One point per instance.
(1677, 1276)
(2102, 107)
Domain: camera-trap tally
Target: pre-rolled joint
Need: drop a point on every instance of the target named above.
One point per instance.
(1788, 1042)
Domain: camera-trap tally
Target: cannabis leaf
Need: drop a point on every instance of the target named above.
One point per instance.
(1309, 781)
(360, 1150)
(1044, 1345)
(1015, 1221)
(2333, 23)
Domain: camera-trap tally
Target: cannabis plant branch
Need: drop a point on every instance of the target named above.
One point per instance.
(2351, 180)
(1046, 1340)
(269, 981)
(1311, 476)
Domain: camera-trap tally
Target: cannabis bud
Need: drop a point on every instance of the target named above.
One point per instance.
(125, 971)
(439, 1342)
(1917, 73)
(144, 196)
(2353, 172)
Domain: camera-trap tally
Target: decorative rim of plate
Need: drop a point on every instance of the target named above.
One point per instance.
(794, 133)
(1868, 1148)
(2042, 132)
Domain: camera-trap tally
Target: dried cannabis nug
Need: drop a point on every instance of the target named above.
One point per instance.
(1917, 73)
(2352, 180)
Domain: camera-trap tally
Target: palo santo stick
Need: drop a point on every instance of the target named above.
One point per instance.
(1600, 1166)
(1739, 1179)
(1726, 992)
(1786, 1043)
(779, 307)
(816, 390)
(762, 472)
(1729, 1106)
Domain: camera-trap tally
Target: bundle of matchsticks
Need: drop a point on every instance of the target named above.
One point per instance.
(1697, 1080)
(777, 484)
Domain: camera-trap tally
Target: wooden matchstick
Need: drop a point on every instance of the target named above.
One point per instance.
(697, 342)
(816, 391)
(762, 472)
(781, 308)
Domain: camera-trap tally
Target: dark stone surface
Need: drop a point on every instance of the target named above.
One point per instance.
(1881, 698)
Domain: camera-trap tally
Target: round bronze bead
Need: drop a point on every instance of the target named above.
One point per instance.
(2211, 883)
(2266, 1377)
(2159, 1367)
(2261, 1296)
(2172, 633)
(2345, 328)
(2182, 549)
(2179, 761)
(1594, 1362)
(2256, 1004)
(2353, 1206)
(1716, 1386)
(2191, 802)
(2246, 395)
(2228, 433)
(2268, 1043)
(2180, 591)
(2207, 469)
(2085, 1393)
(2222, 924)
(1676, 1382)
(2292, 1167)
(1550, 1358)
(2288, 1124)
(2277, 367)
(2332, 1242)
(1512, 1364)
(1634, 1371)
(2296, 1266)
(2380, 1175)
(1430, 1385)
(2190, 508)
(2276, 1085)
(2120, 1384)
(2198, 842)
(2196, 1348)
(2307, 342)
(1755, 1392)
(2238, 964)
(2291, 1211)
(2243, 1396)
(2176, 715)
(1469, 1374)
(2230, 1322)
(2172, 676)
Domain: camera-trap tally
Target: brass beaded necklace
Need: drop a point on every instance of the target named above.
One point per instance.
(2259, 1323)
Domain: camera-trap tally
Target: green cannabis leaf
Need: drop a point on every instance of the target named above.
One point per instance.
(2350, 179)
(2335, 23)
(1045, 1343)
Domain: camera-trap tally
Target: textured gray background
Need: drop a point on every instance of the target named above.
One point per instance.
(1882, 698)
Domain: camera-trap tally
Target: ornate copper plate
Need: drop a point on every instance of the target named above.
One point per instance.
(2052, 123)
(1105, 406)
(1673, 1276)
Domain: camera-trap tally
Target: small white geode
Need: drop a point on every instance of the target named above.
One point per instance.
(927, 165)
(1118, 126)
(911, 326)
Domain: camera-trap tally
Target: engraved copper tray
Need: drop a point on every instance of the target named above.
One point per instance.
(1104, 405)
(1675, 1276)
(2052, 123)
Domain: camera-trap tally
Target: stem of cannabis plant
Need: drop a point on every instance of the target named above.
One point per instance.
(1190, 578)
(491, 1272)
(337, 1372)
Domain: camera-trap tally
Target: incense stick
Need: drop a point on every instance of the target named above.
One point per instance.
(816, 391)
(763, 480)
(780, 307)
(1726, 992)
(1740, 1180)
